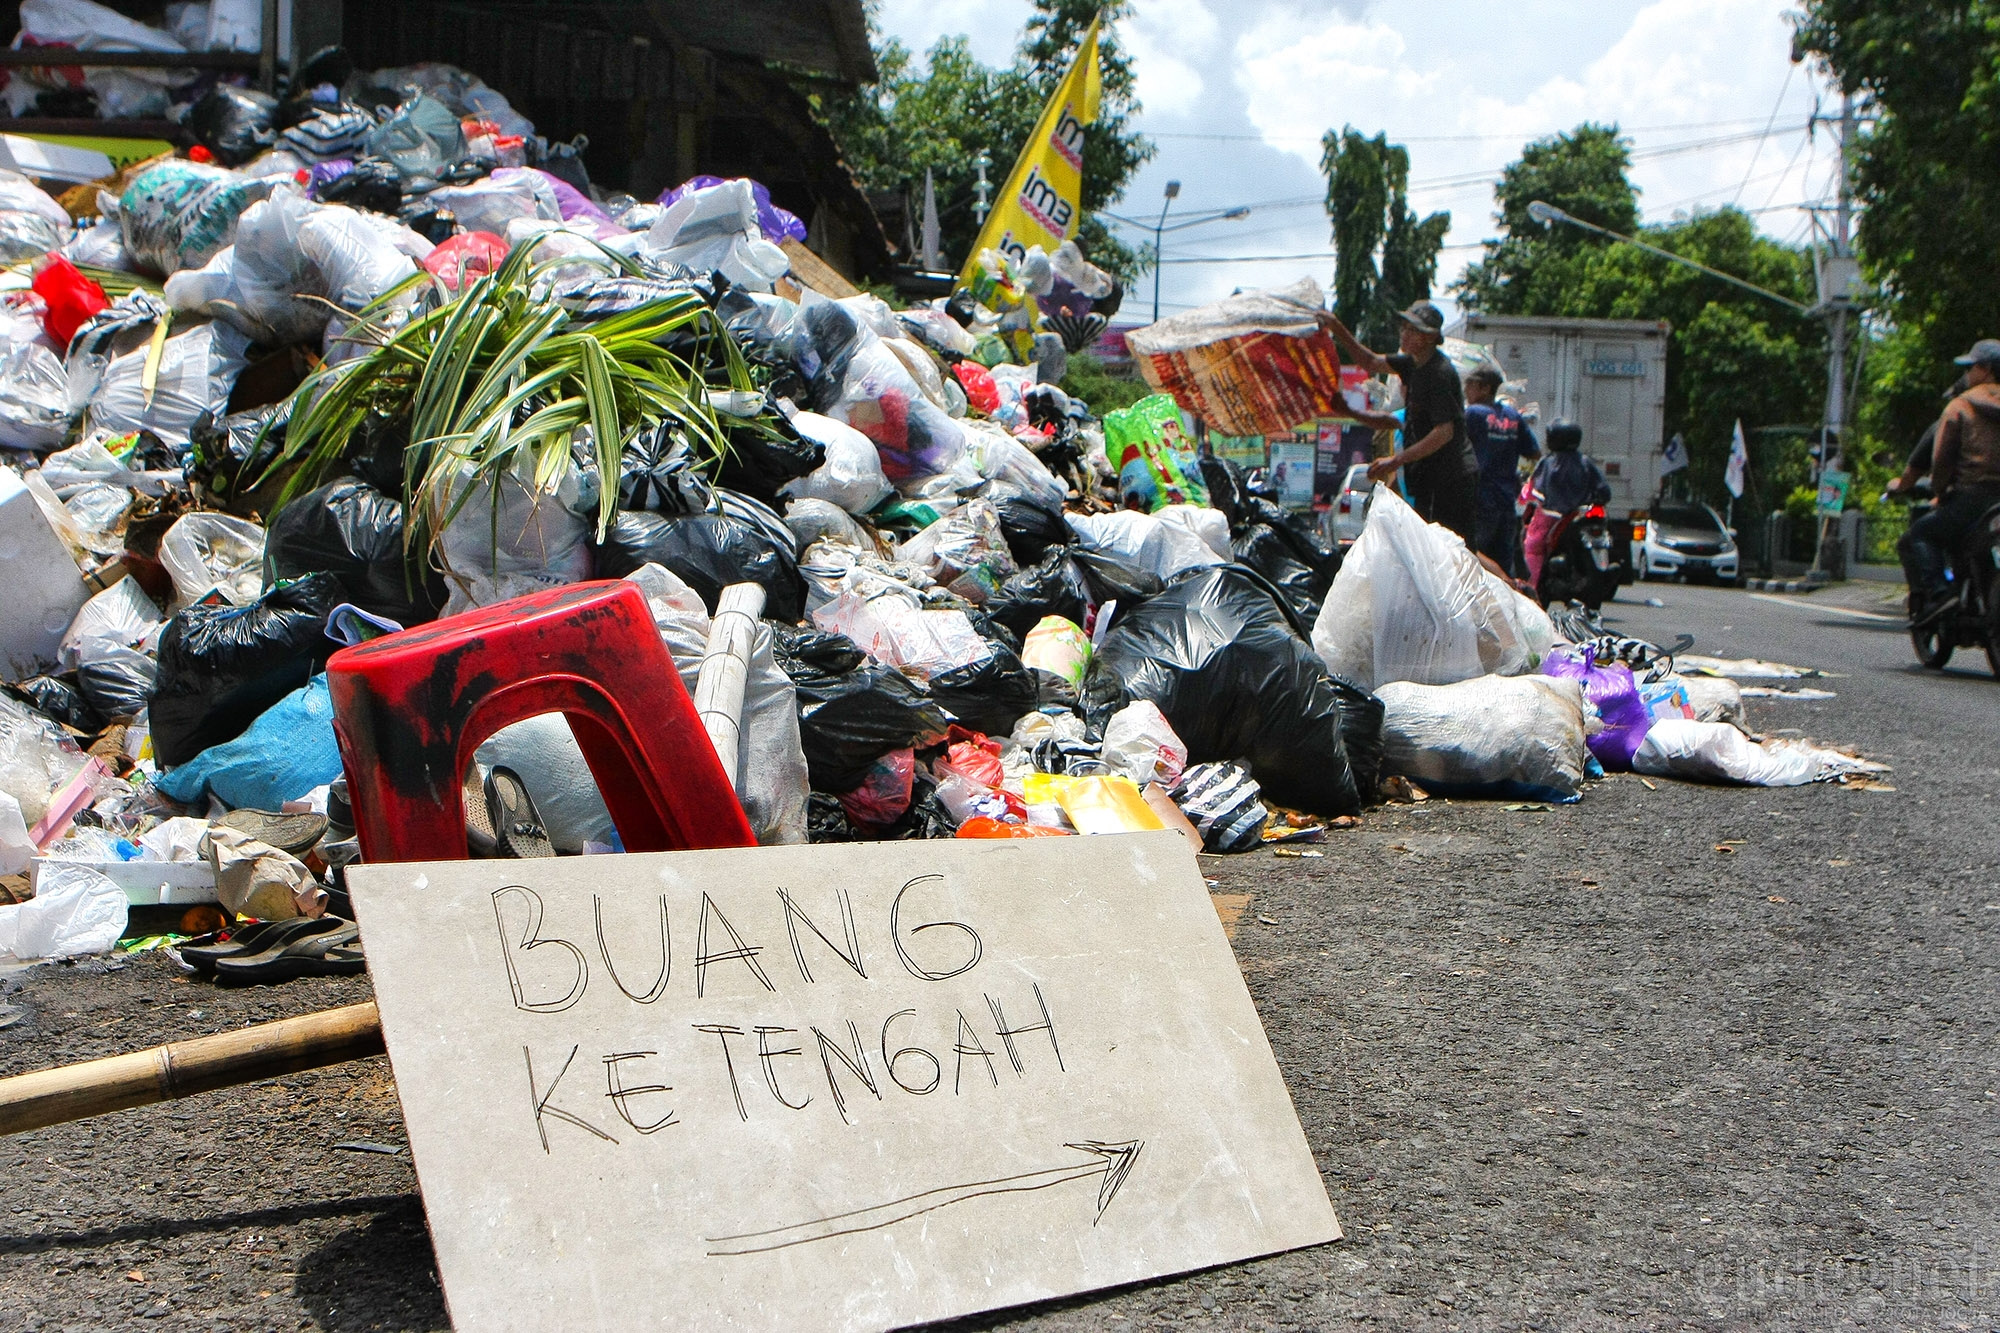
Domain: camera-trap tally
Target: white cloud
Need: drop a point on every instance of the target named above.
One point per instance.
(1155, 35)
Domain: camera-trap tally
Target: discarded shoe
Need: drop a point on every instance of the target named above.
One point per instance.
(293, 834)
(517, 825)
(333, 952)
(256, 938)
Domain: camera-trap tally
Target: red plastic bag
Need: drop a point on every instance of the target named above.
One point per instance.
(980, 390)
(972, 756)
(979, 826)
(71, 299)
(468, 255)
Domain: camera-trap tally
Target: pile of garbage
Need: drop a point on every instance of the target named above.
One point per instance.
(384, 357)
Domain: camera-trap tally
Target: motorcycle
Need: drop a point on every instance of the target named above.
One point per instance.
(1972, 616)
(1580, 567)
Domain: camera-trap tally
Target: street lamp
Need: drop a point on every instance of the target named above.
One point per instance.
(1159, 230)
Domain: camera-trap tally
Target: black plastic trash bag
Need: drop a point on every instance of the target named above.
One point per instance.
(227, 457)
(827, 821)
(349, 529)
(989, 695)
(764, 456)
(1218, 656)
(233, 123)
(372, 183)
(852, 711)
(118, 684)
(1298, 533)
(1030, 524)
(1260, 547)
(1361, 715)
(57, 701)
(709, 552)
(1051, 586)
(1112, 580)
(221, 666)
(657, 474)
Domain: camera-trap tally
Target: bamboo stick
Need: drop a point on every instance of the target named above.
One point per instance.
(725, 670)
(183, 1068)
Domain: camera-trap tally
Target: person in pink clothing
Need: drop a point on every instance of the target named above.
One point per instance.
(1566, 479)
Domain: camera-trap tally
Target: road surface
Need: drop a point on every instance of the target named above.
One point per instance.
(1575, 1069)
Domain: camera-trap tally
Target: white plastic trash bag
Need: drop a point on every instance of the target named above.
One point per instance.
(1718, 752)
(491, 203)
(37, 759)
(16, 848)
(851, 476)
(1160, 545)
(120, 617)
(1412, 603)
(76, 911)
(205, 551)
(1521, 736)
(717, 228)
(197, 371)
(818, 521)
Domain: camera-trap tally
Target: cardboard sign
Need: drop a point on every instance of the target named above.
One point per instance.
(848, 1087)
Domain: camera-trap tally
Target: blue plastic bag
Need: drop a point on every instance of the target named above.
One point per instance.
(289, 750)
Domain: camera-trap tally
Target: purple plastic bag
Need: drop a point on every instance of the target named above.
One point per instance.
(777, 225)
(1616, 696)
(574, 203)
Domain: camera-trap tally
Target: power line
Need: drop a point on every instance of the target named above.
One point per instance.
(1786, 87)
(1455, 138)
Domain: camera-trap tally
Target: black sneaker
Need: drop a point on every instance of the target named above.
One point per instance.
(517, 825)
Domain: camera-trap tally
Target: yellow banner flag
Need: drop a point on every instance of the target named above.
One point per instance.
(1042, 202)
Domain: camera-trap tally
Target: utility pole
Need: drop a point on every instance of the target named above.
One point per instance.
(1839, 272)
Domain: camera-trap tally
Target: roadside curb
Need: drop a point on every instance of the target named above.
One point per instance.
(1784, 585)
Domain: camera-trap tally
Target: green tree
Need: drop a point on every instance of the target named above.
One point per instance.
(941, 117)
(1584, 173)
(1731, 355)
(1387, 258)
(1927, 171)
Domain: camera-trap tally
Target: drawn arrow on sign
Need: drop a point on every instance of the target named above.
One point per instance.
(1113, 1162)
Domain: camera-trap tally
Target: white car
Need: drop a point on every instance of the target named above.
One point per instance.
(1681, 537)
(1349, 513)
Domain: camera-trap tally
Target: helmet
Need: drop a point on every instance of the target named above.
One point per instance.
(1565, 436)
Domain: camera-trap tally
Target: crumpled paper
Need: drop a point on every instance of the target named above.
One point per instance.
(255, 879)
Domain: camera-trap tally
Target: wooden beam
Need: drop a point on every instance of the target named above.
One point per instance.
(183, 1068)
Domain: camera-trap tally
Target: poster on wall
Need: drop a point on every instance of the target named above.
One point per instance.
(1292, 467)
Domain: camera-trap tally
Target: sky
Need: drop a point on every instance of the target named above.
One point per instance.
(1236, 94)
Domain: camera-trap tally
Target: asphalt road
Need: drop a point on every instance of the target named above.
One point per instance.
(1575, 1069)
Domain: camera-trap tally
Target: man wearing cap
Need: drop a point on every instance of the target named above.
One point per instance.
(1500, 438)
(1436, 459)
(1965, 478)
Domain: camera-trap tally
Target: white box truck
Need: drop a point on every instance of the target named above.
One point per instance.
(1607, 375)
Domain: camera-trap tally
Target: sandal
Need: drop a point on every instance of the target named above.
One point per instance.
(516, 823)
(329, 953)
(254, 939)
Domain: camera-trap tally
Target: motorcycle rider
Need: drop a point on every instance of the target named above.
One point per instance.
(1965, 479)
(1566, 479)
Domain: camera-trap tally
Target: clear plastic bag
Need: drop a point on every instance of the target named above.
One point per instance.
(36, 759)
(1154, 542)
(204, 552)
(817, 521)
(1139, 743)
(180, 214)
(1718, 752)
(508, 195)
(34, 392)
(716, 229)
(535, 539)
(965, 551)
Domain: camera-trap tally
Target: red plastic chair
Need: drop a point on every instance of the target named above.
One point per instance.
(410, 708)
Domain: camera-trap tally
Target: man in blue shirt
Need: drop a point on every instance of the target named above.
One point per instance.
(1499, 437)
